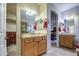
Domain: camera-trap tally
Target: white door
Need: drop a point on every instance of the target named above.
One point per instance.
(3, 48)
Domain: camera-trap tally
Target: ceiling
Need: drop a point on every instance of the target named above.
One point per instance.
(65, 6)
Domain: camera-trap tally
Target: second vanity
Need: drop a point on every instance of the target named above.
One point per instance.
(33, 45)
(66, 40)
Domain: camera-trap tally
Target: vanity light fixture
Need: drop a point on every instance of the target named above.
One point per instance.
(30, 12)
(71, 17)
(67, 18)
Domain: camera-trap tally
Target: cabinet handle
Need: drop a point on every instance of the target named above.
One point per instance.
(6, 38)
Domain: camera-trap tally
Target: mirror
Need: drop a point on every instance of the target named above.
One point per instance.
(70, 25)
(27, 20)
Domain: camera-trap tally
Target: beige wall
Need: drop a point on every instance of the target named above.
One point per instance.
(42, 14)
(11, 27)
(43, 10)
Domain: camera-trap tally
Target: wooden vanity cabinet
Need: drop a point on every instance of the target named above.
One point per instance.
(35, 49)
(66, 41)
(45, 38)
(27, 47)
(42, 45)
(70, 41)
(34, 46)
(62, 40)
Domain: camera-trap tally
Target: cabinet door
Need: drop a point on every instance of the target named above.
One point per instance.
(35, 47)
(42, 46)
(69, 42)
(62, 41)
(45, 38)
(27, 49)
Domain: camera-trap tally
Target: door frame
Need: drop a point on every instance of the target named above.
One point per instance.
(18, 30)
(3, 30)
(49, 9)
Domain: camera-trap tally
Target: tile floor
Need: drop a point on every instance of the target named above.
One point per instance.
(54, 51)
(11, 50)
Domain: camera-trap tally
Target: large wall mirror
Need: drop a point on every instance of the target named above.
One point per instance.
(70, 25)
(27, 20)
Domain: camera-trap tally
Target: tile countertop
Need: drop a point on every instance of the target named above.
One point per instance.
(65, 34)
(26, 35)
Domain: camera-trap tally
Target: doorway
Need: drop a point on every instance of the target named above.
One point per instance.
(54, 20)
(11, 29)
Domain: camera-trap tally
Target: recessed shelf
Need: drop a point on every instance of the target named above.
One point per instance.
(11, 17)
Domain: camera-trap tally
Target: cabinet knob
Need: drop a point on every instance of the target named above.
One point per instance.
(6, 38)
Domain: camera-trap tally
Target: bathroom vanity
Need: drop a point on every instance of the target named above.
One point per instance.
(33, 45)
(66, 41)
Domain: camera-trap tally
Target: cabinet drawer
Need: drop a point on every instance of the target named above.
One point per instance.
(70, 38)
(38, 39)
(62, 37)
(28, 40)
